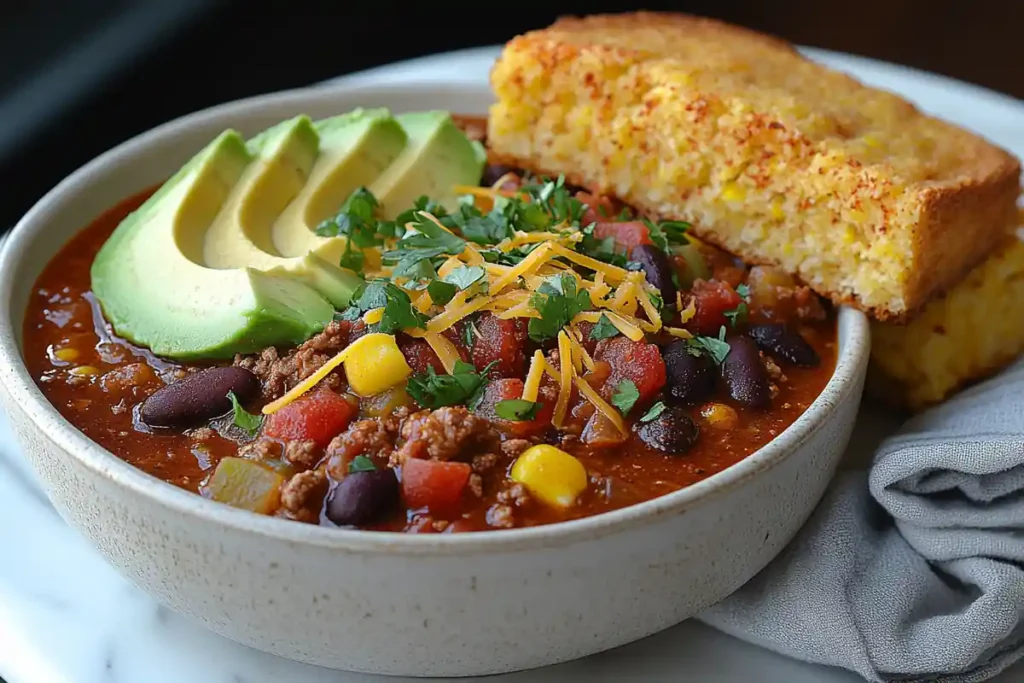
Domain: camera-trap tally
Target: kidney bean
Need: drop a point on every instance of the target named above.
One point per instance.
(673, 431)
(785, 343)
(199, 397)
(745, 374)
(690, 378)
(362, 497)
(658, 270)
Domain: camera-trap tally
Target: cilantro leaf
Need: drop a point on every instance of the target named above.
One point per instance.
(465, 277)
(744, 291)
(653, 412)
(603, 249)
(517, 409)
(356, 219)
(412, 254)
(463, 387)
(738, 315)
(625, 396)
(556, 200)
(399, 313)
(558, 302)
(244, 420)
(361, 463)
(604, 329)
(441, 292)
(718, 348)
(666, 233)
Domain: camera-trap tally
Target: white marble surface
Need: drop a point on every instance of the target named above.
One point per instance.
(68, 617)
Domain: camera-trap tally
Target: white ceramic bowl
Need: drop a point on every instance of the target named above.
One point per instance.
(441, 605)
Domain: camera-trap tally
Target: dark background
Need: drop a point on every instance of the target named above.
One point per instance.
(79, 76)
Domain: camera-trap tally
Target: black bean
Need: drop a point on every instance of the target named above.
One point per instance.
(745, 374)
(785, 343)
(494, 172)
(362, 497)
(691, 377)
(199, 397)
(673, 431)
(658, 270)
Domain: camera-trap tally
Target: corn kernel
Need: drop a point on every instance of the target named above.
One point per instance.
(67, 355)
(719, 416)
(551, 475)
(84, 371)
(374, 363)
(373, 316)
(732, 192)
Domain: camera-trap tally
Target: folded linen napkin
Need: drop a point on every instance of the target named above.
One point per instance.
(914, 570)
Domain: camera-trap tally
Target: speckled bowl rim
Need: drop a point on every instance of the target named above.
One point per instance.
(850, 366)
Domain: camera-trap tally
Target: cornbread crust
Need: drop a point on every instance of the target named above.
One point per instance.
(972, 332)
(767, 154)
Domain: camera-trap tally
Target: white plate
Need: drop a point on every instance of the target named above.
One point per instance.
(67, 617)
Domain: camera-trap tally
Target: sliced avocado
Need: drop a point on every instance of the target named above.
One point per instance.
(240, 236)
(437, 156)
(154, 290)
(355, 148)
(334, 282)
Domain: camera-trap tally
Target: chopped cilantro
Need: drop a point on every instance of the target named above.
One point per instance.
(357, 220)
(666, 233)
(602, 249)
(557, 301)
(412, 254)
(517, 409)
(656, 299)
(625, 215)
(604, 329)
(463, 387)
(653, 412)
(244, 420)
(470, 334)
(465, 277)
(399, 313)
(625, 396)
(718, 348)
(441, 292)
(556, 200)
(738, 315)
(361, 463)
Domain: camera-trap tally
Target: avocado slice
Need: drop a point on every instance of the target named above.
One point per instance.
(241, 236)
(355, 148)
(437, 156)
(150, 279)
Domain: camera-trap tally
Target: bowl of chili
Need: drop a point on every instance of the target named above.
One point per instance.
(469, 566)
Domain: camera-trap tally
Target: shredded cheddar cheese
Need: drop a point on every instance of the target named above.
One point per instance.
(531, 386)
(565, 375)
(444, 349)
(588, 392)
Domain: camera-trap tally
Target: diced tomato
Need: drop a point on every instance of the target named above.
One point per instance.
(419, 355)
(318, 416)
(626, 235)
(498, 340)
(639, 362)
(712, 299)
(599, 209)
(585, 329)
(507, 389)
(433, 484)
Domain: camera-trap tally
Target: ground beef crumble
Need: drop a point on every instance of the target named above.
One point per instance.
(302, 494)
(279, 373)
(449, 433)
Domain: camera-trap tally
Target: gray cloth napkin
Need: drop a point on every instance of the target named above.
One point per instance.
(914, 570)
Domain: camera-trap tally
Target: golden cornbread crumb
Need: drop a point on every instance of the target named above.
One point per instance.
(769, 155)
(971, 332)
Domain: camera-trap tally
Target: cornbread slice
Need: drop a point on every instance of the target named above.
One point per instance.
(971, 332)
(769, 155)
